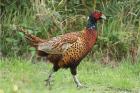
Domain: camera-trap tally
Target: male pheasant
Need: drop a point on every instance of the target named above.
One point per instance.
(67, 51)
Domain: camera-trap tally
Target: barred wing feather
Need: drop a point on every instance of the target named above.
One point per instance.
(58, 45)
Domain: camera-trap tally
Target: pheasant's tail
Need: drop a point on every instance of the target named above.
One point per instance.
(33, 39)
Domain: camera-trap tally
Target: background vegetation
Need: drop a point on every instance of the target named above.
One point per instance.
(118, 36)
(118, 40)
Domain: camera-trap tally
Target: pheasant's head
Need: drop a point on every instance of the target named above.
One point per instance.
(98, 15)
(93, 18)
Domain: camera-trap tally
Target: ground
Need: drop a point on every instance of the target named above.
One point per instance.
(21, 76)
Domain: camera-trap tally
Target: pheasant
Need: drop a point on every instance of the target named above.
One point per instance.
(67, 51)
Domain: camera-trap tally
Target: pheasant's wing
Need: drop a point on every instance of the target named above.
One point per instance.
(58, 45)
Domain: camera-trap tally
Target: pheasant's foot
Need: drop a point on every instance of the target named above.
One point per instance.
(81, 86)
(48, 82)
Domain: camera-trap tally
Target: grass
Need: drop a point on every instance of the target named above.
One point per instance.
(21, 76)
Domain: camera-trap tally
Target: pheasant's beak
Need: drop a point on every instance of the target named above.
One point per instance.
(103, 17)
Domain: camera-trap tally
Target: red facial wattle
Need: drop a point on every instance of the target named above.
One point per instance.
(97, 15)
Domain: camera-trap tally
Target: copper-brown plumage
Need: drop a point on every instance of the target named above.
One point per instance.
(67, 51)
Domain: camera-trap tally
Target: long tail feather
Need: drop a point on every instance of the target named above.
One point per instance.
(33, 39)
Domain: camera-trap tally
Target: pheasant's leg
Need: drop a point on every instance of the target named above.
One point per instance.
(73, 72)
(48, 81)
(49, 77)
(77, 81)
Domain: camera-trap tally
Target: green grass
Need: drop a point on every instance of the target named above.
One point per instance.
(21, 76)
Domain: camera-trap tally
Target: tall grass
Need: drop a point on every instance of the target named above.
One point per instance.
(117, 36)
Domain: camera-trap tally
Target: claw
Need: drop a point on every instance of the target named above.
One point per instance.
(81, 86)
